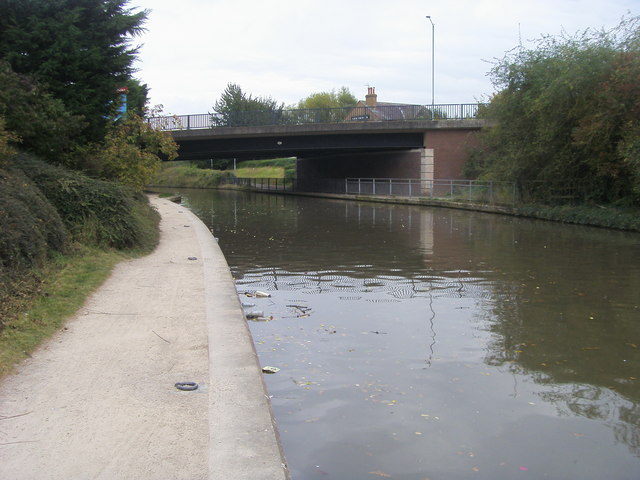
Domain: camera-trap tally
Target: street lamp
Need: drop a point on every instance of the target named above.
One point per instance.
(433, 49)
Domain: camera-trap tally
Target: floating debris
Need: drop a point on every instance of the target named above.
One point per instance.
(380, 474)
(255, 293)
(302, 310)
(268, 369)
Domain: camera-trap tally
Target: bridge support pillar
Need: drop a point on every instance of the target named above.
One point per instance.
(427, 169)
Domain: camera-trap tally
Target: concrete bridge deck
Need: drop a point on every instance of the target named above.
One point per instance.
(314, 140)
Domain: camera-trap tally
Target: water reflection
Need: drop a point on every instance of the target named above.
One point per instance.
(419, 342)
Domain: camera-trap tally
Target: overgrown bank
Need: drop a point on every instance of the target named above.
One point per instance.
(61, 232)
(202, 174)
(75, 153)
(565, 119)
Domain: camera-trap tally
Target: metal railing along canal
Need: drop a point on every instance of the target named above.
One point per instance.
(471, 191)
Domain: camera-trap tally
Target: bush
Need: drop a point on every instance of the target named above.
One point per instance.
(30, 231)
(598, 216)
(6, 140)
(132, 152)
(96, 212)
(30, 227)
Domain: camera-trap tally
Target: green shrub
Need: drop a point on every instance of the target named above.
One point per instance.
(96, 212)
(7, 138)
(30, 231)
(30, 227)
(608, 217)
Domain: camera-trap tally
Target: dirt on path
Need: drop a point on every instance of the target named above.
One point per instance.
(98, 400)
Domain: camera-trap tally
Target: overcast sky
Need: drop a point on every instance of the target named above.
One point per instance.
(289, 49)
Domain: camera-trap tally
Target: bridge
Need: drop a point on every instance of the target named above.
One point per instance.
(390, 140)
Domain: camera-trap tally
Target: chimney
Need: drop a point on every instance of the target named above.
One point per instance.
(371, 100)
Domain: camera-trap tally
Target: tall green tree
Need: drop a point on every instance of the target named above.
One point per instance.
(81, 50)
(567, 116)
(42, 122)
(237, 108)
(137, 97)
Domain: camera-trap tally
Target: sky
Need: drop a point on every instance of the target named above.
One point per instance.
(290, 49)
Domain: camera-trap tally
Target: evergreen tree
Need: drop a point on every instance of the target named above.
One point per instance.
(80, 49)
(40, 121)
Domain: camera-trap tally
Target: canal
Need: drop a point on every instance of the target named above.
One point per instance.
(424, 343)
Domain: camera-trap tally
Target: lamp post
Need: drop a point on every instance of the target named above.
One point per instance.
(433, 71)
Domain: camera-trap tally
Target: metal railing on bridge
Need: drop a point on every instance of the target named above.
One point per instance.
(470, 191)
(357, 114)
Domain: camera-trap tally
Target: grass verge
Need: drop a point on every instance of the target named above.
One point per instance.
(260, 172)
(187, 176)
(68, 281)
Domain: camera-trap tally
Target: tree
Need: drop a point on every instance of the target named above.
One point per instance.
(79, 48)
(42, 122)
(237, 108)
(132, 151)
(342, 98)
(566, 117)
(326, 106)
(137, 97)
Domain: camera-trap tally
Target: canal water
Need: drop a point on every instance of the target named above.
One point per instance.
(425, 343)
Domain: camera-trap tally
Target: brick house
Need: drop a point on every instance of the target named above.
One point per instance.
(371, 110)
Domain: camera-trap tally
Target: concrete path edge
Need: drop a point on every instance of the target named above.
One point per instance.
(244, 441)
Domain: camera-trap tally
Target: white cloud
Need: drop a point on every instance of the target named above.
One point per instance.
(288, 49)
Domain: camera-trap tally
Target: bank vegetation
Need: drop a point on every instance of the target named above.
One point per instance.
(73, 161)
(566, 120)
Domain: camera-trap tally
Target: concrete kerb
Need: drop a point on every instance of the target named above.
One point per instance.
(243, 437)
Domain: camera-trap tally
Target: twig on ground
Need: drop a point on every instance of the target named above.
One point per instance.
(14, 443)
(3, 417)
(161, 337)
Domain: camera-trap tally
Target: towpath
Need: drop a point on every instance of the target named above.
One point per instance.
(98, 400)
